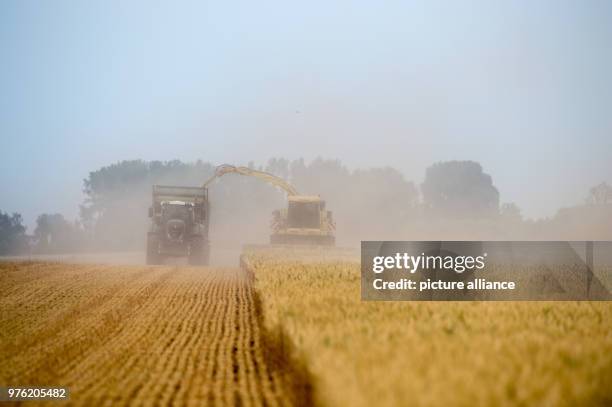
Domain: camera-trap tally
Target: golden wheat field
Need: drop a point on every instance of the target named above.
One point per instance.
(432, 353)
(282, 331)
(137, 335)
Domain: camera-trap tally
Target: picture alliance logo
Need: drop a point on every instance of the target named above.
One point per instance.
(411, 263)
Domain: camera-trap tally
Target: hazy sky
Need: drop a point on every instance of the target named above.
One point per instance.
(525, 88)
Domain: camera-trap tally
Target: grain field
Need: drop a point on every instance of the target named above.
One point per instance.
(136, 335)
(365, 353)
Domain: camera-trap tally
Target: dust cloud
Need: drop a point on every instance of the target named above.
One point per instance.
(457, 200)
(368, 204)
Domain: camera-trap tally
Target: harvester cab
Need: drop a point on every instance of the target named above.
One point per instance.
(305, 221)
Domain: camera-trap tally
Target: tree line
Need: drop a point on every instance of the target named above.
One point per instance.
(456, 200)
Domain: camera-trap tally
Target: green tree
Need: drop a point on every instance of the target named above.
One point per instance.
(54, 234)
(13, 239)
(460, 189)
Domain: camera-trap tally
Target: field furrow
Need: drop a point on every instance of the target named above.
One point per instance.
(125, 335)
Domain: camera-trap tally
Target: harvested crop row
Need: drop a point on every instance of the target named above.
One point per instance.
(145, 335)
(431, 353)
